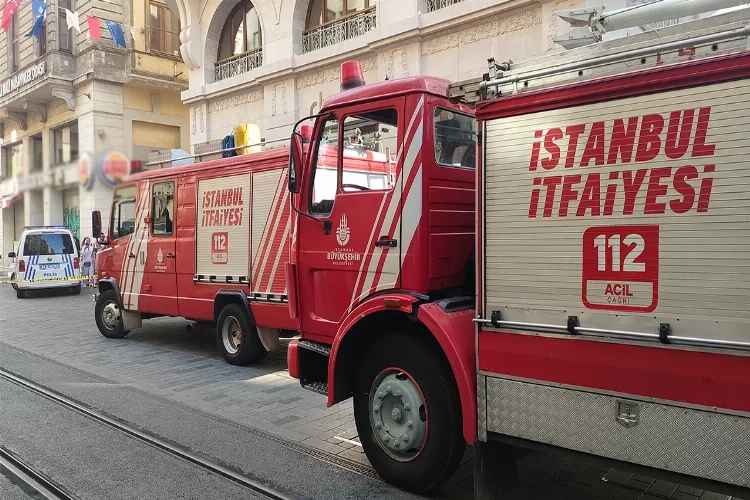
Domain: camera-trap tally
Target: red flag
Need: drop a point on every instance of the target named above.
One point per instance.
(94, 28)
(8, 13)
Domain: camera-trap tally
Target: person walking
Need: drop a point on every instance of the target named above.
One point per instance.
(87, 262)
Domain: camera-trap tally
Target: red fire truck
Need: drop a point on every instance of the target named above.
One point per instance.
(568, 269)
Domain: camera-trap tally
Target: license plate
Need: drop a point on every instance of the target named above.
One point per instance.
(49, 266)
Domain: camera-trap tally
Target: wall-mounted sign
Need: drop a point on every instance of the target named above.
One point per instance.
(113, 168)
(58, 177)
(85, 175)
(22, 78)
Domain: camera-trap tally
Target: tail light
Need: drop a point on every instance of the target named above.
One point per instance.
(75, 262)
(21, 266)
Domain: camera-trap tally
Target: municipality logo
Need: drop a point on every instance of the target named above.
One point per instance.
(160, 256)
(342, 233)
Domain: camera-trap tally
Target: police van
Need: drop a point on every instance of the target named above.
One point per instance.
(47, 258)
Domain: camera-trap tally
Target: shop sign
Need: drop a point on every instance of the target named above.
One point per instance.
(85, 175)
(113, 168)
(33, 181)
(22, 78)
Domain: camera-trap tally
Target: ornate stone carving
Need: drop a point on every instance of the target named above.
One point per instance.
(369, 64)
(37, 109)
(192, 125)
(332, 74)
(67, 95)
(497, 27)
(390, 71)
(200, 118)
(189, 48)
(235, 100)
(18, 118)
(283, 97)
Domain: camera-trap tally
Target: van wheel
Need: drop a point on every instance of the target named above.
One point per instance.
(76, 289)
(109, 316)
(237, 338)
(408, 414)
(21, 294)
(13, 278)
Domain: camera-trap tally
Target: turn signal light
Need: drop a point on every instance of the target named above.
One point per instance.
(75, 262)
(21, 266)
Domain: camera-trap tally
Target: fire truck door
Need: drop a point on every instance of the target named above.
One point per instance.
(160, 258)
(349, 247)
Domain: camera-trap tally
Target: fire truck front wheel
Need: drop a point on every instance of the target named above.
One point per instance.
(109, 316)
(237, 338)
(408, 414)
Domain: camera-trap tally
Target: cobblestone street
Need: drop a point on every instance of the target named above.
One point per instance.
(182, 365)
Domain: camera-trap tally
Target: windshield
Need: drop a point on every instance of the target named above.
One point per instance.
(47, 244)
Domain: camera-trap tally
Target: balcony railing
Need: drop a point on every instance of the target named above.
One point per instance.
(239, 64)
(433, 5)
(337, 31)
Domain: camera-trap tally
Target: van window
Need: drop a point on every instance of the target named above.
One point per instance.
(123, 212)
(47, 244)
(455, 139)
(162, 206)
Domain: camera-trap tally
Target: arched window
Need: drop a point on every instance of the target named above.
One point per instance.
(326, 11)
(241, 33)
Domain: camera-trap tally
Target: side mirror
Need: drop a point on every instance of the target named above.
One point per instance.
(12, 255)
(295, 163)
(96, 224)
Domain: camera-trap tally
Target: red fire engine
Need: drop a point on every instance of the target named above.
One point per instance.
(568, 270)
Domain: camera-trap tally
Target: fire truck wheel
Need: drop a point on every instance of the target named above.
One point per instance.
(408, 414)
(108, 317)
(237, 338)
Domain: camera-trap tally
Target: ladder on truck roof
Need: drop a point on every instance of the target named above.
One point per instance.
(709, 37)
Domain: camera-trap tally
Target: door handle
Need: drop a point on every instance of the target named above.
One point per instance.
(132, 255)
(170, 255)
(383, 242)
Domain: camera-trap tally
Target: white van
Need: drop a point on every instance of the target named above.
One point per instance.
(47, 254)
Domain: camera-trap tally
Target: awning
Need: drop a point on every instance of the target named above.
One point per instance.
(7, 201)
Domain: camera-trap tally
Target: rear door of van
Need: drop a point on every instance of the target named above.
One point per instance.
(49, 256)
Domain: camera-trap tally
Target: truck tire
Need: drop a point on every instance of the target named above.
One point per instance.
(108, 316)
(408, 413)
(237, 338)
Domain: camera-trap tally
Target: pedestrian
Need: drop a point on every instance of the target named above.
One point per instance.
(87, 262)
(75, 239)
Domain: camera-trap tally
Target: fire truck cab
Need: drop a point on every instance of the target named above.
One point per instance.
(373, 267)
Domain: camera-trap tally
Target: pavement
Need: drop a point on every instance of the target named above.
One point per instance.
(184, 368)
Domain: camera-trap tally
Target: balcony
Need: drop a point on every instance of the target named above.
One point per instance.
(238, 64)
(337, 31)
(433, 5)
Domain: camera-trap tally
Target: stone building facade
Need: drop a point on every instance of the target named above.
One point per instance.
(287, 68)
(68, 101)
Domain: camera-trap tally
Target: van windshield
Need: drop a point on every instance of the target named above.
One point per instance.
(47, 244)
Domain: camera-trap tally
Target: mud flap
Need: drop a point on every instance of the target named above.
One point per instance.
(131, 320)
(495, 470)
(269, 337)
